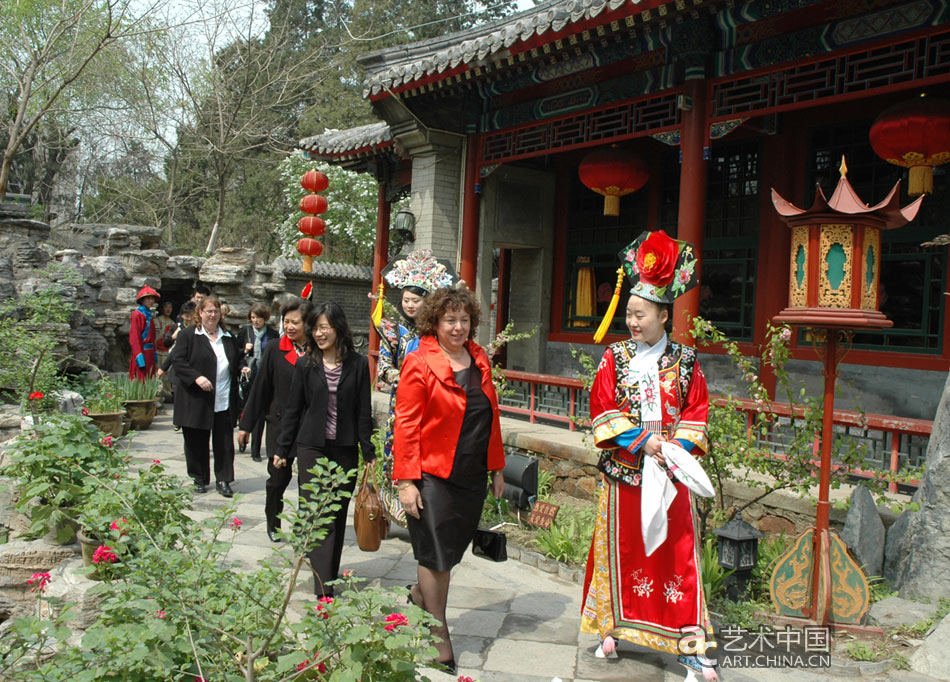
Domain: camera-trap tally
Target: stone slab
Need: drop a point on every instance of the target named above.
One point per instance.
(480, 599)
(931, 657)
(474, 622)
(531, 658)
(547, 606)
(894, 612)
(524, 627)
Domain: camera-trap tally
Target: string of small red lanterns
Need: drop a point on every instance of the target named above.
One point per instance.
(310, 225)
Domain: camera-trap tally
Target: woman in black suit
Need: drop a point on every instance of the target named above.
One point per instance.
(254, 339)
(207, 360)
(268, 399)
(328, 414)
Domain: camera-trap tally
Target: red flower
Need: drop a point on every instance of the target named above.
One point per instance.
(656, 259)
(107, 441)
(119, 524)
(465, 678)
(323, 602)
(104, 554)
(395, 620)
(322, 668)
(236, 523)
(156, 461)
(85, 412)
(36, 395)
(161, 614)
(38, 581)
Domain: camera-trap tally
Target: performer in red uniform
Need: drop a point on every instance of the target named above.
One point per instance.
(648, 390)
(142, 334)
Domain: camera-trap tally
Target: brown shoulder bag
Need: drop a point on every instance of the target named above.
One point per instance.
(369, 515)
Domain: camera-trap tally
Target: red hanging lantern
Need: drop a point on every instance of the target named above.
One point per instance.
(312, 226)
(314, 181)
(914, 135)
(309, 247)
(613, 173)
(313, 204)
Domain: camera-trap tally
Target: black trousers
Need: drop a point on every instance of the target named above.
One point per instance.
(325, 557)
(257, 437)
(277, 479)
(198, 455)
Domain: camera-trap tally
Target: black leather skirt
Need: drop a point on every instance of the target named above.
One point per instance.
(451, 508)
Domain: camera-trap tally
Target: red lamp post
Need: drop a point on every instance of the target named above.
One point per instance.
(914, 135)
(613, 174)
(833, 290)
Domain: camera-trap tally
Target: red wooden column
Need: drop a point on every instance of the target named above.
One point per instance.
(692, 205)
(468, 268)
(380, 256)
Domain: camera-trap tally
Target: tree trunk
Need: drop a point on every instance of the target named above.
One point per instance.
(217, 219)
(170, 197)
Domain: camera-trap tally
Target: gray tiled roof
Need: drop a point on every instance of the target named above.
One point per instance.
(338, 142)
(403, 64)
(325, 270)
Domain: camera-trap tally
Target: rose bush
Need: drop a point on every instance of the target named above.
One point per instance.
(176, 609)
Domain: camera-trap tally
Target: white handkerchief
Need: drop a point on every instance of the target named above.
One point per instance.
(656, 495)
(687, 469)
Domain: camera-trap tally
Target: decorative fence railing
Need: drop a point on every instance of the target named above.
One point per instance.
(889, 443)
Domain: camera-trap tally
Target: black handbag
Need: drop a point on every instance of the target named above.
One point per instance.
(490, 544)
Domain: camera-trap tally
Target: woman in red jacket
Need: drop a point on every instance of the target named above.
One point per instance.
(447, 438)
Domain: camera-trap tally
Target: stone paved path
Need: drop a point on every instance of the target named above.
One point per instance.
(510, 622)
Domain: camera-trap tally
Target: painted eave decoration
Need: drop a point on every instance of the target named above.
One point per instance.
(395, 67)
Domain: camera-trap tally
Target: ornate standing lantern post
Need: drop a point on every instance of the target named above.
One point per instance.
(833, 290)
(739, 553)
(312, 226)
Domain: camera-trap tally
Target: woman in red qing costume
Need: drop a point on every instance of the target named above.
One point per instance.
(142, 334)
(648, 390)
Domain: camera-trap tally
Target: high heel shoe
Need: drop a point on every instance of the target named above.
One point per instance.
(449, 666)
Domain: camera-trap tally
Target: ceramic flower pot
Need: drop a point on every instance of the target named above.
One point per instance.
(110, 423)
(88, 546)
(141, 413)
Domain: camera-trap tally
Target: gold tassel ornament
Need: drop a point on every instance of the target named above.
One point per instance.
(377, 316)
(611, 309)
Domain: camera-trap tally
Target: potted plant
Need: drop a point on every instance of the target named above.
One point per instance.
(140, 399)
(104, 406)
(50, 467)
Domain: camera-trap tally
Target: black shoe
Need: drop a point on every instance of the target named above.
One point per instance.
(448, 665)
(224, 489)
(272, 535)
(242, 448)
(199, 488)
(409, 598)
(257, 458)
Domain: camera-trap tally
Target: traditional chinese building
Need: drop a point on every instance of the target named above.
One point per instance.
(723, 100)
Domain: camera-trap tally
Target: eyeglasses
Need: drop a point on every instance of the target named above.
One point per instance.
(323, 329)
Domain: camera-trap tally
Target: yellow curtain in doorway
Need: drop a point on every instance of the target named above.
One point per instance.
(586, 294)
